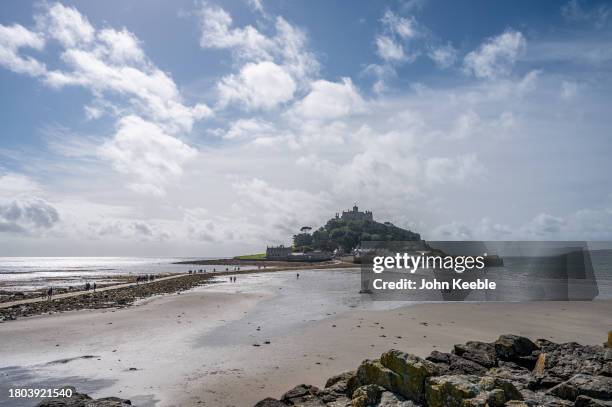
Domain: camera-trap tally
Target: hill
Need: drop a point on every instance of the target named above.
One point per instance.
(347, 234)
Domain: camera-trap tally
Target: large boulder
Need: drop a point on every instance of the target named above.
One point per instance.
(342, 377)
(367, 395)
(303, 395)
(270, 402)
(412, 372)
(373, 372)
(470, 390)
(507, 388)
(599, 387)
(538, 399)
(512, 372)
(388, 399)
(451, 390)
(479, 352)
(336, 387)
(586, 401)
(449, 363)
(83, 400)
(563, 360)
(513, 347)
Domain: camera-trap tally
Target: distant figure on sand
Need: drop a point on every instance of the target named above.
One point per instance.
(297, 276)
(94, 286)
(49, 293)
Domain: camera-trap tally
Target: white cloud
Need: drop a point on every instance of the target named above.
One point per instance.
(140, 230)
(283, 211)
(291, 47)
(574, 11)
(471, 124)
(26, 215)
(403, 27)
(66, 25)
(545, 225)
(105, 61)
(217, 32)
(113, 66)
(330, 100)
(258, 85)
(12, 184)
(287, 48)
(154, 93)
(121, 46)
(568, 90)
(496, 56)
(441, 170)
(381, 74)
(249, 129)
(144, 151)
(485, 229)
(444, 56)
(389, 50)
(256, 5)
(12, 39)
(428, 154)
(93, 112)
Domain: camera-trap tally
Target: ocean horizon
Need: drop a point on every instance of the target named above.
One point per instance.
(33, 273)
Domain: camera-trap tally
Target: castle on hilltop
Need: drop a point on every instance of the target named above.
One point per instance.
(355, 214)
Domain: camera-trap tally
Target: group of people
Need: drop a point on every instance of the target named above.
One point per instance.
(232, 279)
(88, 286)
(236, 268)
(145, 278)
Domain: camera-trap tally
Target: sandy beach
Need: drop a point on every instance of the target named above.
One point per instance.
(207, 346)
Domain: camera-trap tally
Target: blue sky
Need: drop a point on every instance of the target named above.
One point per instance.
(212, 128)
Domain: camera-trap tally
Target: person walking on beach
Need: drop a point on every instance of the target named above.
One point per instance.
(49, 293)
(94, 286)
(297, 276)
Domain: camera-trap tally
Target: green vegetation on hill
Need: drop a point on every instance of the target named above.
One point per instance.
(347, 234)
(257, 256)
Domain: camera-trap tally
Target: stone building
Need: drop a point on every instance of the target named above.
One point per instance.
(278, 252)
(355, 214)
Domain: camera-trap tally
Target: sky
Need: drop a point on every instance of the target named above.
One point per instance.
(213, 128)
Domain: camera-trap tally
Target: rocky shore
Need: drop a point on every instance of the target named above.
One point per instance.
(119, 297)
(510, 372)
(83, 400)
(101, 281)
(124, 296)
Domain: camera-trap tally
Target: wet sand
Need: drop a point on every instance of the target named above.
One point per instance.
(196, 348)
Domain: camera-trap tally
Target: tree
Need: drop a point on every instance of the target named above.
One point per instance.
(349, 234)
(302, 239)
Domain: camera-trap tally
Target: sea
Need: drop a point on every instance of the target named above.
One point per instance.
(37, 273)
(34, 273)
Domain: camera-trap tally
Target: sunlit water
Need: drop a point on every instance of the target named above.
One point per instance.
(31, 273)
